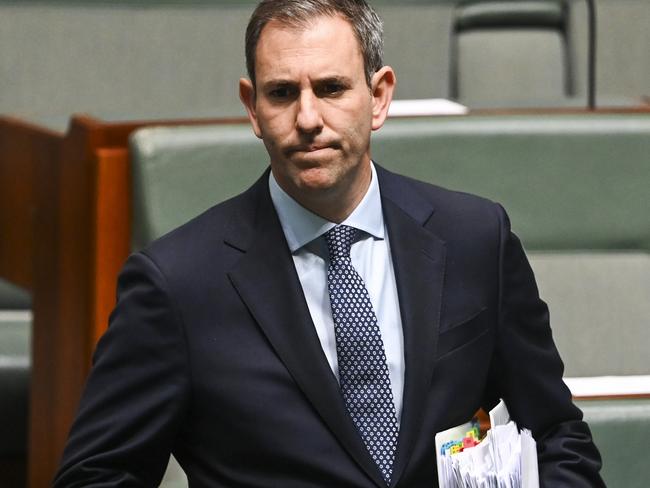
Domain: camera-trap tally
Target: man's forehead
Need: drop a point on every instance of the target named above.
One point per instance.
(325, 48)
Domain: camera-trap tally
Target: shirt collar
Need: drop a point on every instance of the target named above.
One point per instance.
(301, 226)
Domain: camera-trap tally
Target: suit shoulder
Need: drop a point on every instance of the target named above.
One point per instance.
(453, 204)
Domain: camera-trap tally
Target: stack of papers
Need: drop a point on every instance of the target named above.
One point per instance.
(505, 458)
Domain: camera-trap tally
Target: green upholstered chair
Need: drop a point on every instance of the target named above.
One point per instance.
(576, 188)
(13, 297)
(15, 336)
(180, 171)
(511, 15)
(14, 381)
(621, 429)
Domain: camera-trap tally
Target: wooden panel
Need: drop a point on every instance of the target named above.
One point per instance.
(24, 148)
(82, 236)
(112, 230)
(61, 302)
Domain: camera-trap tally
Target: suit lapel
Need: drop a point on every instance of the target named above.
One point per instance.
(267, 282)
(419, 262)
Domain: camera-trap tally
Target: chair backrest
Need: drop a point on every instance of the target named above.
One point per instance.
(516, 65)
(13, 297)
(576, 187)
(578, 192)
(180, 171)
(620, 428)
(499, 14)
(15, 363)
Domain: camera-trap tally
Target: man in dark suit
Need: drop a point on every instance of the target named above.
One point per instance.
(320, 328)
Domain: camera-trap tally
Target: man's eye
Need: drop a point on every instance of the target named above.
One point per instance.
(332, 89)
(280, 93)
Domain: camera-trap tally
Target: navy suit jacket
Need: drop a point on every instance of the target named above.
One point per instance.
(211, 354)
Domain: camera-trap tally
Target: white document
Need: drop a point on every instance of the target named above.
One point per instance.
(603, 386)
(505, 458)
(424, 107)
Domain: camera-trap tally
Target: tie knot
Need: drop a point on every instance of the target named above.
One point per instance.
(339, 242)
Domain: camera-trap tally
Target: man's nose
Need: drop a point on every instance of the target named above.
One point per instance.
(309, 118)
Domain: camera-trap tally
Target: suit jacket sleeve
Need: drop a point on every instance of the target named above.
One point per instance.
(527, 372)
(135, 397)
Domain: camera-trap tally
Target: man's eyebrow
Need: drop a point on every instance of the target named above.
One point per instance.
(341, 80)
(277, 82)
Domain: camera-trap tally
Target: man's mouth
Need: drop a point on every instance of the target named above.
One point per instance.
(312, 148)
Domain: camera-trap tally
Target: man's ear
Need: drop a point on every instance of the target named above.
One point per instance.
(382, 86)
(247, 97)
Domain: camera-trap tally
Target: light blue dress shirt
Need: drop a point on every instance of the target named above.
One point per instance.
(370, 257)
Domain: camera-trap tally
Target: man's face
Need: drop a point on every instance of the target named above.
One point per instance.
(314, 110)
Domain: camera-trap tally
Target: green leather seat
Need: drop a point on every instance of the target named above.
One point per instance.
(576, 188)
(494, 14)
(15, 336)
(14, 383)
(511, 15)
(13, 297)
(621, 429)
(180, 171)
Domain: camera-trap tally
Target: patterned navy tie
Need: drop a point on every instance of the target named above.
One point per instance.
(363, 371)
